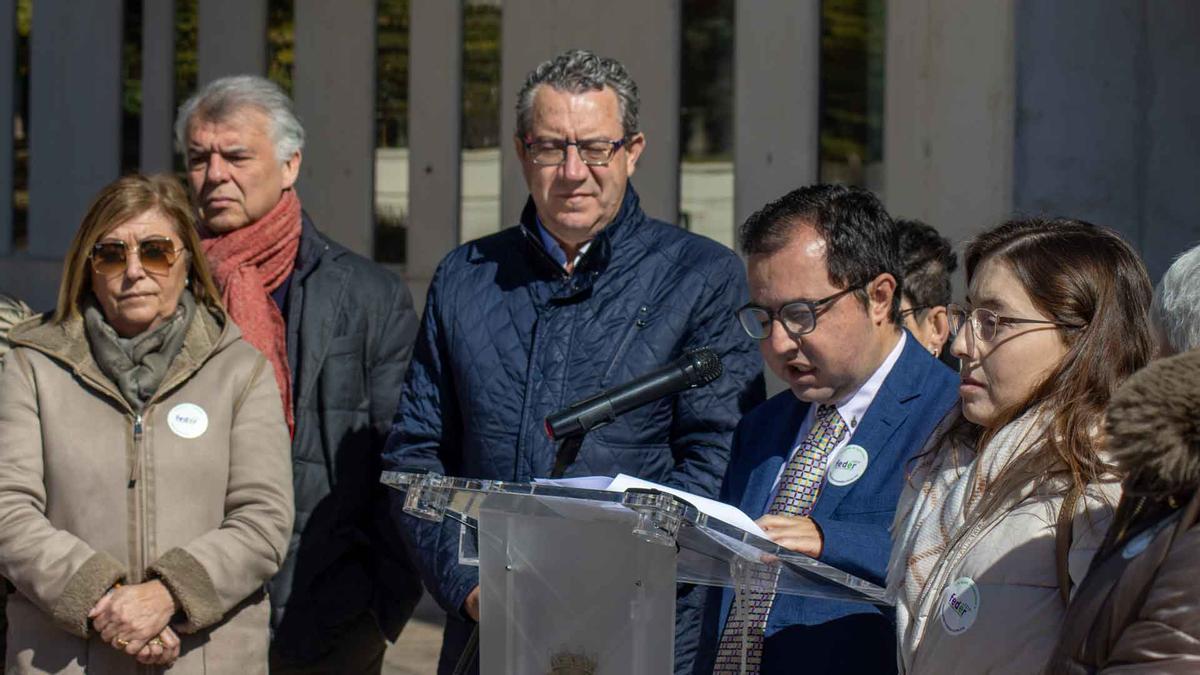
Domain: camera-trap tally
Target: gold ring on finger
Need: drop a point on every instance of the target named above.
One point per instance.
(122, 643)
(156, 642)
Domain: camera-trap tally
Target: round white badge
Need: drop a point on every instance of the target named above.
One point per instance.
(1138, 544)
(960, 605)
(188, 420)
(848, 465)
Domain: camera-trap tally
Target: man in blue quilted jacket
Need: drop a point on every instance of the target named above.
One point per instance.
(585, 293)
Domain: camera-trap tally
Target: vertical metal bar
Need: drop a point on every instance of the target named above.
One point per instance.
(158, 85)
(777, 91)
(334, 89)
(649, 47)
(434, 132)
(232, 38)
(75, 115)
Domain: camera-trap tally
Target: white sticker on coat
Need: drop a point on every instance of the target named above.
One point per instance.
(848, 465)
(1138, 544)
(188, 420)
(960, 605)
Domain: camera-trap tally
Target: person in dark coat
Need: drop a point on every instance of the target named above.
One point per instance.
(1138, 608)
(338, 330)
(585, 293)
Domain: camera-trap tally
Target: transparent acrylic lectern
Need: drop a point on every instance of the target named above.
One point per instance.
(576, 581)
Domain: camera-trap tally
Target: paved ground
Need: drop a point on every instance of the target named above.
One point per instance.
(415, 653)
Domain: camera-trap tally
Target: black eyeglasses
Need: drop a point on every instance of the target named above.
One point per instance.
(110, 258)
(798, 317)
(913, 310)
(984, 322)
(594, 152)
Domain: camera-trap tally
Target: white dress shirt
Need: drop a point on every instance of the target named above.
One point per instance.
(852, 408)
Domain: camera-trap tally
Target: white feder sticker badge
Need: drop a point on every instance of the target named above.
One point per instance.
(188, 420)
(960, 605)
(848, 465)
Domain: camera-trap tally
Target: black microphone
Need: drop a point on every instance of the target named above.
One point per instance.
(695, 368)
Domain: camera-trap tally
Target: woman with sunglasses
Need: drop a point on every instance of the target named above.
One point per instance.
(1009, 501)
(145, 470)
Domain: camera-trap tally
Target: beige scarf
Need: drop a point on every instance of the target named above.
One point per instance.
(939, 511)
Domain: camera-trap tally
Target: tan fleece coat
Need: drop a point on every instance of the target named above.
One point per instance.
(89, 497)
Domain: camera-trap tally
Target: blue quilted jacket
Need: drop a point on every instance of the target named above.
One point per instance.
(508, 337)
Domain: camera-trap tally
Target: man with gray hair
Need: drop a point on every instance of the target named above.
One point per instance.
(1175, 313)
(585, 293)
(338, 331)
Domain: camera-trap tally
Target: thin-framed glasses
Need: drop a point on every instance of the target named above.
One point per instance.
(593, 152)
(798, 317)
(913, 310)
(110, 258)
(984, 322)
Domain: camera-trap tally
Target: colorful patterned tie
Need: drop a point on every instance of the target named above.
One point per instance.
(798, 489)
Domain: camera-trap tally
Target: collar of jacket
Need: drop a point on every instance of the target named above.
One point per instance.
(312, 246)
(67, 343)
(599, 254)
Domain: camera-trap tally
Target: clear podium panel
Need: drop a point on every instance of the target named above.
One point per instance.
(558, 597)
(710, 551)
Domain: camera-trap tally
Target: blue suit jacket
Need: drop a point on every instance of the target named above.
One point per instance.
(828, 636)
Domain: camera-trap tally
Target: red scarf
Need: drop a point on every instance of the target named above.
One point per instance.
(251, 262)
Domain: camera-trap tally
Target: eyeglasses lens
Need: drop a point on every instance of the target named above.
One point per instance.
(755, 321)
(108, 259)
(155, 255)
(798, 318)
(553, 153)
(986, 322)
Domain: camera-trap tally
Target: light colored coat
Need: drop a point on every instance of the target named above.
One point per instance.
(1012, 561)
(92, 494)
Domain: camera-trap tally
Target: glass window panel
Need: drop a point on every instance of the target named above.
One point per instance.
(480, 178)
(391, 132)
(852, 65)
(706, 120)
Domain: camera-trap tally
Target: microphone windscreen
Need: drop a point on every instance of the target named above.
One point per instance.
(703, 366)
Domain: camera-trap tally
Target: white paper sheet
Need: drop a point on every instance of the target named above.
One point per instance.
(709, 507)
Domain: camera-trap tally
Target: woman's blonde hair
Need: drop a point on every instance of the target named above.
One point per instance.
(119, 202)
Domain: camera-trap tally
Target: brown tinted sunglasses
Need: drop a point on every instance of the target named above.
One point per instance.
(110, 258)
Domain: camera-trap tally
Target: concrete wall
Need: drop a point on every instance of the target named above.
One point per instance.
(1070, 107)
(949, 113)
(334, 90)
(1108, 118)
(776, 109)
(644, 36)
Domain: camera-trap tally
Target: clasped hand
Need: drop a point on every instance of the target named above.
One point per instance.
(133, 619)
(795, 533)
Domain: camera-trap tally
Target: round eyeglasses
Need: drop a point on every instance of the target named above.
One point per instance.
(594, 152)
(110, 258)
(798, 317)
(984, 322)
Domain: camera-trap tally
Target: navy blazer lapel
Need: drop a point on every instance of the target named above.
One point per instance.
(879, 424)
(770, 451)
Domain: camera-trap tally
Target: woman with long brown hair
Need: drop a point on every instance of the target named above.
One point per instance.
(1005, 508)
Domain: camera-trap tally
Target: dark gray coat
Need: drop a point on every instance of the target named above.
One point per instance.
(350, 330)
